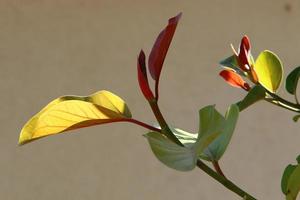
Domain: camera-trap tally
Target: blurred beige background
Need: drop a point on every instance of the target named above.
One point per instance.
(54, 48)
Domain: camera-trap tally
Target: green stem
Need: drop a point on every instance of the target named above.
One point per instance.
(277, 100)
(215, 175)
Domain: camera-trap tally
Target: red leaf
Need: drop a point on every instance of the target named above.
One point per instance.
(246, 42)
(161, 46)
(142, 76)
(234, 79)
(244, 53)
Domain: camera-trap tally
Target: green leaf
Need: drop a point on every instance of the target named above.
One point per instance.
(232, 63)
(255, 94)
(296, 118)
(269, 70)
(184, 158)
(293, 185)
(290, 181)
(171, 154)
(285, 177)
(292, 81)
(217, 148)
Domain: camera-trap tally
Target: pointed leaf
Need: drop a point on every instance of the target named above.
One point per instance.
(234, 79)
(161, 46)
(217, 148)
(73, 112)
(142, 76)
(255, 94)
(231, 62)
(269, 70)
(171, 154)
(292, 81)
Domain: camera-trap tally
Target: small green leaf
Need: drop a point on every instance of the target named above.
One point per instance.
(296, 118)
(292, 81)
(285, 177)
(232, 63)
(171, 154)
(269, 70)
(255, 94)
(217, 148)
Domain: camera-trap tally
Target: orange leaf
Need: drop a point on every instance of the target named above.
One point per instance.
(234, 79)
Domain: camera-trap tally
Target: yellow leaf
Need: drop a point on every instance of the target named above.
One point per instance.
(73, 112)
(269, 70)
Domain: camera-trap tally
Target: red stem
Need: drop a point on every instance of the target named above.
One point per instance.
(218, 168)
(147, 126)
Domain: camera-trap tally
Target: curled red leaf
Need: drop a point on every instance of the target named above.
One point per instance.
(142, 76)
(234, 79)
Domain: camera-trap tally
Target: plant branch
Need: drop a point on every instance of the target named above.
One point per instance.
(218, 176)
(224, 181)
(277, 100)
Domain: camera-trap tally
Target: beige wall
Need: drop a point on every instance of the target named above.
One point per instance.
(50, 48)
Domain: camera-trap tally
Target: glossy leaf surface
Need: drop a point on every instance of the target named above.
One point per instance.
(73, 112)
(269, 70)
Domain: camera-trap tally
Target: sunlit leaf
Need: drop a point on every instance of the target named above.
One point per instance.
(73, 112)
(269, 70)
(292, 81)
(186, 138)
(255, 94)
(171, 154)
(216, 149)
